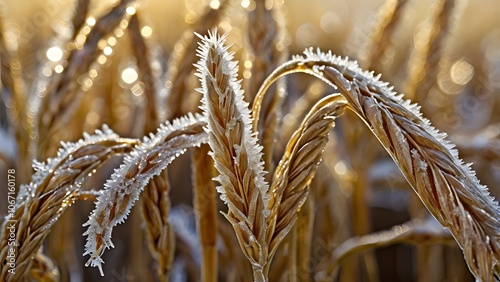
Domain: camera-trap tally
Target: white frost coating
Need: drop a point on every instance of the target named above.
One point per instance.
(421, 164)
(43, 169)
(351, 69)
(213, 43)
(123, 188)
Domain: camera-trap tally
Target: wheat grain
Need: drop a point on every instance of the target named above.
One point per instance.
(54, 187)
(43, 269)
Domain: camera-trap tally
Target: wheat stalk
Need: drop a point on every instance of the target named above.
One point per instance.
(13, 92)
(235, 151)
(205, 208)
(448, 188)
(54, 187)
(266, 44)
(146, 161)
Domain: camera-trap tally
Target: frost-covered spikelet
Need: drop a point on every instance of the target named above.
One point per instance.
(54, 187)
(430, 163)
(64, 155)
(235, 150)
(122, 190)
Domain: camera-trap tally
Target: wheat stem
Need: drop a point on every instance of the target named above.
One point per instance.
(205, 208)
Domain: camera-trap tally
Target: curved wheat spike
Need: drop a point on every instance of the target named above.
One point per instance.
(266, 34)
(123, 188)
(447, 187)
(205, 209)
(180, 65)
(291, 180)
(236, 153)
(60, 96)
(54, 187)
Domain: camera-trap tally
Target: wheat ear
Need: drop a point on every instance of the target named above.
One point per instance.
(61, 96)
(141, 52)
(424, 63)
(291, 180)
(54, 187)
(122, 190)
(447, 187)
(235, 151)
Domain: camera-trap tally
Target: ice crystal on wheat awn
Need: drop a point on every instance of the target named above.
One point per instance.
(119, 186)
(230, 68)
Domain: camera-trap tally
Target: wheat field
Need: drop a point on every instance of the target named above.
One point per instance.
(252, 140)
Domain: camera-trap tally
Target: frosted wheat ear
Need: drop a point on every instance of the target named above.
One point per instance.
(234, 148)
(122, 190)
(447, 187)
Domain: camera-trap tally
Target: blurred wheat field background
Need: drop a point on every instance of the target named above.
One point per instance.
(293, 186)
